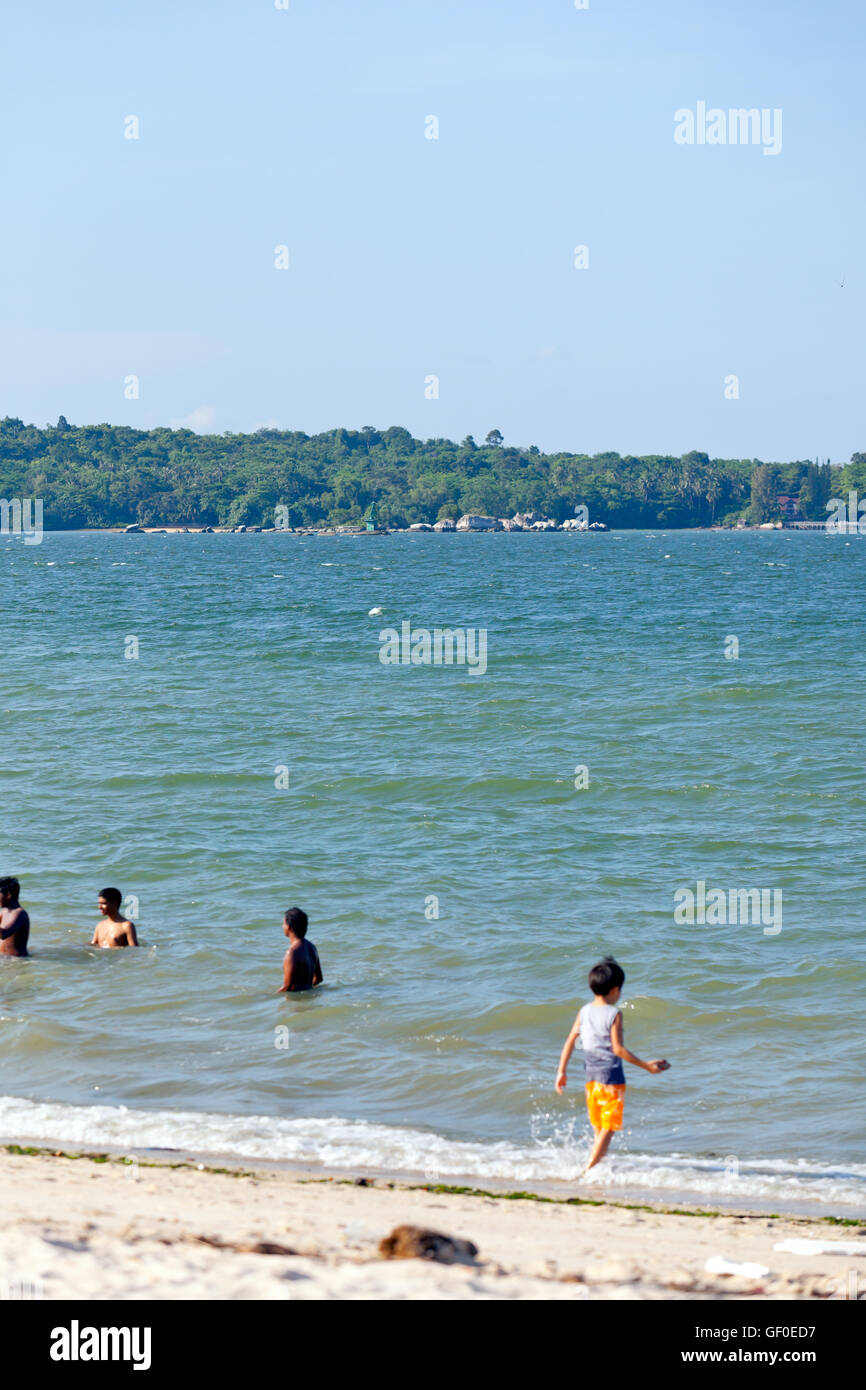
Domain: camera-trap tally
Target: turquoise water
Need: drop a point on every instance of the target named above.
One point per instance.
(434, 1043)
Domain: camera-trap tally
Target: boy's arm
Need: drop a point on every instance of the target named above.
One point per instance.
(15, 923)
(318, 977)
(95, 941)
(622, 1051)
(130, 934)
(561, 1075)
(287, 972)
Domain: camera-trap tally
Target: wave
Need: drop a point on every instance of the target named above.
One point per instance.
(354, 1145)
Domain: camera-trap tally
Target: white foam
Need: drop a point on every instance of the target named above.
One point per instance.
(357, 1144)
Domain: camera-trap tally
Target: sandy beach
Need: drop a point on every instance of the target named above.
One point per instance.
(82, 1228)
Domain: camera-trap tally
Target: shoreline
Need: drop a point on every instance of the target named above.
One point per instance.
(100, 1226)
(325, 531)
(307, 1148)
(684, 1202)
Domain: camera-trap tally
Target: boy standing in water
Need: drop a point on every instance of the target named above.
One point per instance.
(599, 1027)
(14, 921)
(113, 930)
(301, 966)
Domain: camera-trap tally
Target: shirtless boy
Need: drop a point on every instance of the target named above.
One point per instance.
(301, 966)
(14, 921)
(113, 930)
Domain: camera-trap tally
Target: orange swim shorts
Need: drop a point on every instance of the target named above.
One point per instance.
(604, 1104)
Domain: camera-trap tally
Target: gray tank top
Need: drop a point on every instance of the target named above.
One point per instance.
(600, 1062)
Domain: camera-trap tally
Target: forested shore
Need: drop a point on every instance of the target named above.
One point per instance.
(111, 475)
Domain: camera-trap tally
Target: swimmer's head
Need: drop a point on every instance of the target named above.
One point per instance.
(606, 976)
(10, 889)
(110, 900)
(295, 921)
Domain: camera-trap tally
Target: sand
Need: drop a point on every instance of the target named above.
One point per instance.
(76, 1228)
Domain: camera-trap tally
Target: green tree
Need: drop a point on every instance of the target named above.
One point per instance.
(764, 499)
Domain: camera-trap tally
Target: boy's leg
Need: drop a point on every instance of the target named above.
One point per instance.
(605, 1113)
(600, 1147)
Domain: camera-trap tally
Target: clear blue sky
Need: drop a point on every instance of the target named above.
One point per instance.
(409, 256)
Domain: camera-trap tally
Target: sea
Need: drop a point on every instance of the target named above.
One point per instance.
(662, 759)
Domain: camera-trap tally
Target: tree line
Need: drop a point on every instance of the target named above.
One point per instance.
(110, 475)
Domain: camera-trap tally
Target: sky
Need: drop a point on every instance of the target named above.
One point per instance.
(431, 282)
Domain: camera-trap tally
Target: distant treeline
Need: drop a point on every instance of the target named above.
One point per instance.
(108, 475)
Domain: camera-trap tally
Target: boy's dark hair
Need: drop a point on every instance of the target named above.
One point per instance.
(606, 976)
(10, 885)
(111, 895)
(296, 920)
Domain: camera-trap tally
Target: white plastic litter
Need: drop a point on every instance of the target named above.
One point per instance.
(717, 1264)
(804, 1246)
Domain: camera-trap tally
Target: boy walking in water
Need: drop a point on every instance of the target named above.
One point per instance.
(113, 930)
(301, 966)
(599, 1027)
